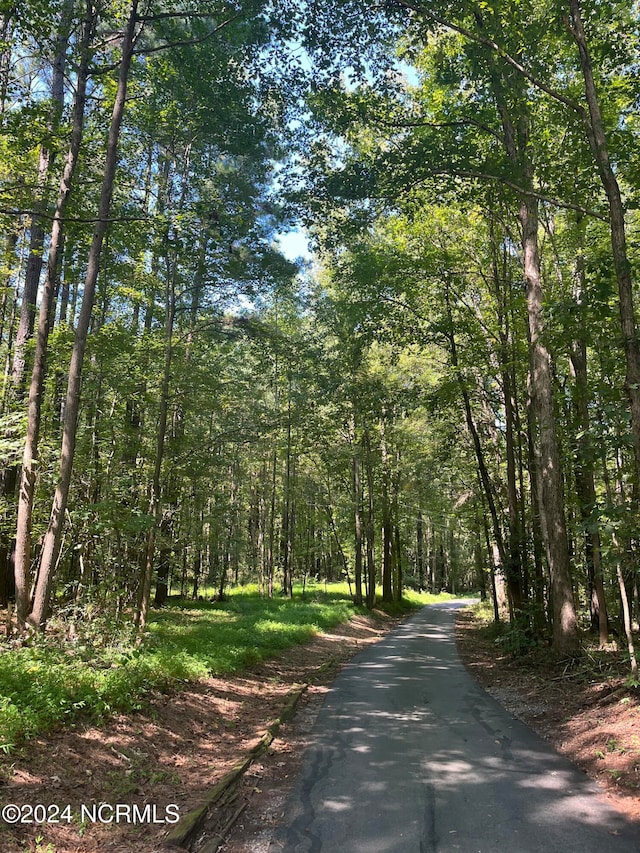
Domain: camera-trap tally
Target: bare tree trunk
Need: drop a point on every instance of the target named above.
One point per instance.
(387, 528)
(36, 239)
(584, 476)
(537, 536)
(548, 456)
(357, 517)
(599, 147)
(30, 453)
(477, 554)
(6, 55)
(370, 528)
(516, 132)
(565, 625)
(9, 256)
(483, 472)
(502, 290)
(398, 567)
(626, 618)
(51, 544)
(272, 524)
(420, 550)
(155, 502)
(287, 580)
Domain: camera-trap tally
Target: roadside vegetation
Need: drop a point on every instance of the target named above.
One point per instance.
(443, 393)
(56, 678)
(590, 663)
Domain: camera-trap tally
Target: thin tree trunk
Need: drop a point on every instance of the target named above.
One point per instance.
(36, 240)
(357, 517)
(287, 582)
(370, 529)
(477, 445)
(599, 146)
(420, 550)
(6, 306)
(387, 527)
(626, 619)
(585, 485)
(52, 539)
(155, 503)
(272, 524)
(513, 567)
(30, 453)
(343, 556)
(6, 55)
(477, 554)
(398, 569)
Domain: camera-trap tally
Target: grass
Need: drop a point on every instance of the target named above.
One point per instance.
(50, 682)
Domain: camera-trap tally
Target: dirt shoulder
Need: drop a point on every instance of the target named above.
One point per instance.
(175, 750)
(166, 757)
(585, 710)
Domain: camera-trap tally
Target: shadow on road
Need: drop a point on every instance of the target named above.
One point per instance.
(410, 754)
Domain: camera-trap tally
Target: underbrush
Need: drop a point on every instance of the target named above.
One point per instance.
(589, 664)
(98, 669)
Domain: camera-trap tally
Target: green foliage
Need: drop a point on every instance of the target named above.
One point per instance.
(517, 640)
(52, 682)
(245, 629)
(278, 386)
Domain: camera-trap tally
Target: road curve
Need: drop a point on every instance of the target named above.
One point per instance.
(409, 754)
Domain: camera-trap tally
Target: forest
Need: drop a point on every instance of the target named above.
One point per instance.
(442, 394)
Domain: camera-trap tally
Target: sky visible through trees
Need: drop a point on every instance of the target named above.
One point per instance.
(446, 396)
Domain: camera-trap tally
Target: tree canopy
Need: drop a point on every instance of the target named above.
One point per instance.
(446, 396)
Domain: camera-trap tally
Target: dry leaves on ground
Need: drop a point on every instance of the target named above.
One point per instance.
(186, 741)
(171, 753)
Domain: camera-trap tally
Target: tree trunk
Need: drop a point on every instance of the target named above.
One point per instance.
(513, 567)
(626, 620)
(477, 445)
(30, 453)
(516, 134)
(387, 527)
(599, 147)
(155, 503)
(420, 550)
(585, 480)
(6, 53)
(477, 555)
(36, 240)
(357, 519)
(371, 561)
(52, 539)
(548, 457)
(272, 524)
(287, 580)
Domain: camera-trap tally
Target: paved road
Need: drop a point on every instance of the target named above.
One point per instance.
(409, 755)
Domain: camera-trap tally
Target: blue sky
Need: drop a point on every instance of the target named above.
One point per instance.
(294, 244)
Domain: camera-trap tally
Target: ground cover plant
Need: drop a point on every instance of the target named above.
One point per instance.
(52, 680)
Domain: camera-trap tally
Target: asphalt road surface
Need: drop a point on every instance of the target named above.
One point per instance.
(409, 754)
